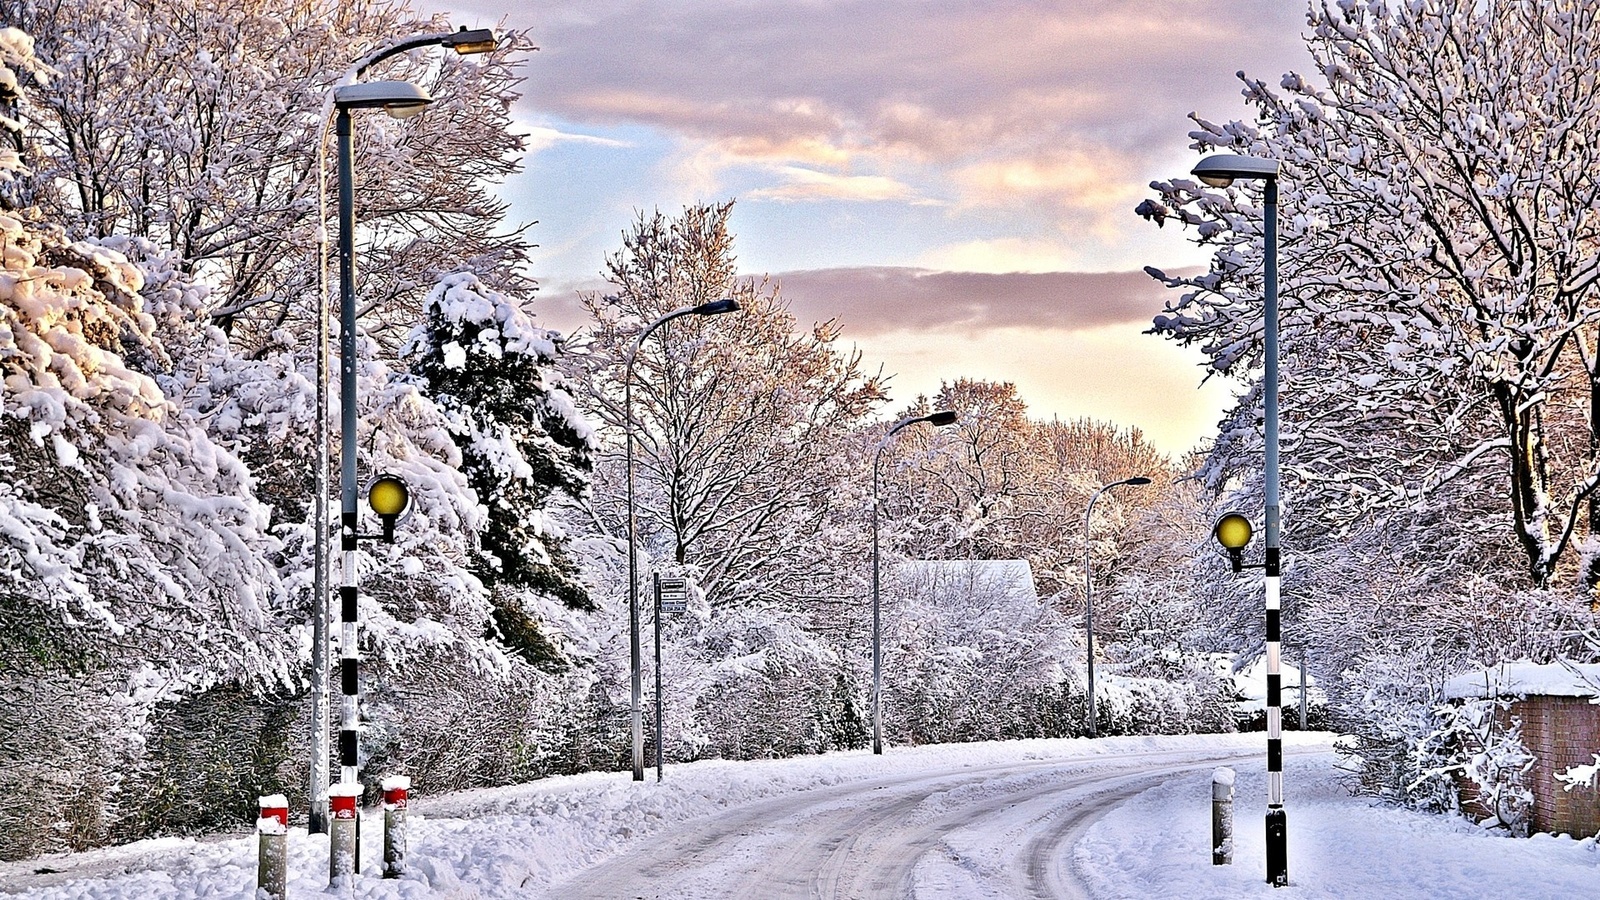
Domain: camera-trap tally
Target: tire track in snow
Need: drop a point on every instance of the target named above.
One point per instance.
(980, 831)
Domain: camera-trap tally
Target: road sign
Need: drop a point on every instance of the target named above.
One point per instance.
(672, 593)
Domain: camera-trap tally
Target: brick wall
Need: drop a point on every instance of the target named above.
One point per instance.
(1561, 732)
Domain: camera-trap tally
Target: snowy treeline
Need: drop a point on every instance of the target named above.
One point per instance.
(160, 229)
(1440, 317)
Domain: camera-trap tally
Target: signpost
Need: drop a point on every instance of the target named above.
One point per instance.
(672, 596)
(672, 592)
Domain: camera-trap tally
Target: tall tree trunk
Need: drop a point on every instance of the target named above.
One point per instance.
(1527, 486)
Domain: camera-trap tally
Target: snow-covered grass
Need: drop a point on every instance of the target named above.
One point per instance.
(514, 842)
(1158, 846)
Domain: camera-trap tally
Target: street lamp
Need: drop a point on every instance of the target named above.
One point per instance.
(713, 308)
(390, 497)
(1222, 171)
(480, 40)
(937, 419)
(1088, 587)
(404, 99)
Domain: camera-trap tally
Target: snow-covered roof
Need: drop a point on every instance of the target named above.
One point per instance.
(1525, 679)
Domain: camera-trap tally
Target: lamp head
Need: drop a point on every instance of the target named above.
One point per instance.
(717, 307)
(400, 99)
(942, 417)
(1137, 480)
(478, 40)
(1233, 532)
(1222, 169)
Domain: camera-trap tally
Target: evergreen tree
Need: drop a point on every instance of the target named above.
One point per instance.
(523, 444)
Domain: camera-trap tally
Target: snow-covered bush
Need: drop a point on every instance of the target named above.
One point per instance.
(1190, 704)
(1478, 740)
(754, 684)
(972, 653)
(138, 561)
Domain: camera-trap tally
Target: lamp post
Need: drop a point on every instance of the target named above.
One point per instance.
(1088, 587)
(937, 419)
(715, 307)
(476, 41)
(1222, 171)
(403, 99)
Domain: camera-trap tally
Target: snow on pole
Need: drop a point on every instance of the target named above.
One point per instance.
(343, 829)
(272, 847)
(395, 789)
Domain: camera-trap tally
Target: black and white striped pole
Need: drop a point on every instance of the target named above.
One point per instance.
(399, 99)
(1221, 171)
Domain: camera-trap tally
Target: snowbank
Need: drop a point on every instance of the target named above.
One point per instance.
(1524, 679)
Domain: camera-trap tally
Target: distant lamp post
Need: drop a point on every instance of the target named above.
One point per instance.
(404, 102)
(713, 308)
(1222, 171)
(1088, 587)
(936, 419)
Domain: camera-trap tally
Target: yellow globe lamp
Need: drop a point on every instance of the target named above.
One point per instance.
(1233, 532)
(390, 498)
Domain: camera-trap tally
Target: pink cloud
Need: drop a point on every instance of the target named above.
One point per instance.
(877, 300)
(938, 79)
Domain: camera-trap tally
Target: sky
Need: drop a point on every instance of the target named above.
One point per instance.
(952, 180)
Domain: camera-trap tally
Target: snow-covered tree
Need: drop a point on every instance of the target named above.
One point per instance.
(1439, 264)
(492, 372)
(737, 419)
(139, 562)
(16, 56)
(200, 133)
(999, 485)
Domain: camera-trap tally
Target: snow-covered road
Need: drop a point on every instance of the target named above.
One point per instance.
(971, 831)
(1114, 818)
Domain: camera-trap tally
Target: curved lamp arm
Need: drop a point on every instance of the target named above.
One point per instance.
(942, 417)
(715, 307)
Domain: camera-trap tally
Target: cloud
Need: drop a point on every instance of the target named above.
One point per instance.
(1001, 255)
(878, 300)
(1000, 99)
(541, 137)
(809, 184)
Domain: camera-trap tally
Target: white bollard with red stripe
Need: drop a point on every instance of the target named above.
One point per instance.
(395, 789)
(344, 810)
(272, 852)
